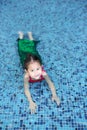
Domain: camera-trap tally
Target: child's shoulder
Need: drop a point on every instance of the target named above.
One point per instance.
(26, 76)
(44, 73)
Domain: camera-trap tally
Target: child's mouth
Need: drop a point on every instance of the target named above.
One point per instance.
(37, 76)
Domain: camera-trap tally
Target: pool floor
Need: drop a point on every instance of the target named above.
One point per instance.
(61, 27)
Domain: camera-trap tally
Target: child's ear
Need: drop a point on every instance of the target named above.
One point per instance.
(42, 66)
(26, 72)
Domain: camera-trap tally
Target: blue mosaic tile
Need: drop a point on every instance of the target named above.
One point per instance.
(61, 27)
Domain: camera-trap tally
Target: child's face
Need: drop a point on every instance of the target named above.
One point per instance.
(34, 70)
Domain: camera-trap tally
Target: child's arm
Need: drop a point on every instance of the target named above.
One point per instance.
(53, 90)
(28, 95)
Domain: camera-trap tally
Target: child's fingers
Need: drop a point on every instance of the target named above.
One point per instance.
(33, 109)
(56, 99)
(58, 102)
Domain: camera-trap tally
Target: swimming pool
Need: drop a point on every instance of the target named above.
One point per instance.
(61, 27)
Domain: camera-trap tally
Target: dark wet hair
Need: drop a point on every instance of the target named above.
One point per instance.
(29, 58)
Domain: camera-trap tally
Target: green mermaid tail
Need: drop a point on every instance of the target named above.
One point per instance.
(26, 47)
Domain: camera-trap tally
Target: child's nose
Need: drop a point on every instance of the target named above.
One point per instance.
(36, 72)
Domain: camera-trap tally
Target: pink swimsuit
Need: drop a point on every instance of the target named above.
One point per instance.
(38, 80)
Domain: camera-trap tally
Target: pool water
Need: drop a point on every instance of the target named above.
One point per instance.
(61, 27)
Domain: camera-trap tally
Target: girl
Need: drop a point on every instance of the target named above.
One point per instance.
(34, 71)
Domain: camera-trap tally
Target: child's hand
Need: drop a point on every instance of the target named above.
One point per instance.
(32, 107)
(56, 99)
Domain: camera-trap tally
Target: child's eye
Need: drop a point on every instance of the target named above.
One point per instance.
(38, 68)
(32, 70)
